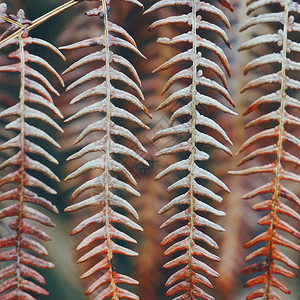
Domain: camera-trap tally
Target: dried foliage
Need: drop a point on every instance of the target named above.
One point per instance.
(195, 195)
(34, 97)
(107, 186)
(107, 159)
(274, 143)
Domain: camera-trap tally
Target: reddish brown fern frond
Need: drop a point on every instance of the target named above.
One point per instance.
(193, 195)
(107, 186)
(34, 94)
(274, 143)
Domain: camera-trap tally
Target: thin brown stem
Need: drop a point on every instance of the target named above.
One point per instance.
(275, 197)
(22, 165)
(193, 142)
(108, 146)
(41, 19)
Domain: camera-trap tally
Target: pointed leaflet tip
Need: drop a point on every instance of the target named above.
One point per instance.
(226, 4)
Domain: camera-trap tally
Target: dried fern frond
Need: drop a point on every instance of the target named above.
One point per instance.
(114, 177)
(35, 93)
(193, 195)
(274, 144)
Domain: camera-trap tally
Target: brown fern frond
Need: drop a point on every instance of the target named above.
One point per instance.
(35, 93)
(192, 193)
(115, 88)
(275, 142)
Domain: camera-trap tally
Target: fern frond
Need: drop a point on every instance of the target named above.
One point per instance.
(187, 237)
(113, 176)
(34, 94)
(279, 154)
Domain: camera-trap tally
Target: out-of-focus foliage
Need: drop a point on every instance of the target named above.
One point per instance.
(240, 222)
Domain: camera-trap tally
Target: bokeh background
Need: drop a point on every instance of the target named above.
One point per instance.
(240, 223)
